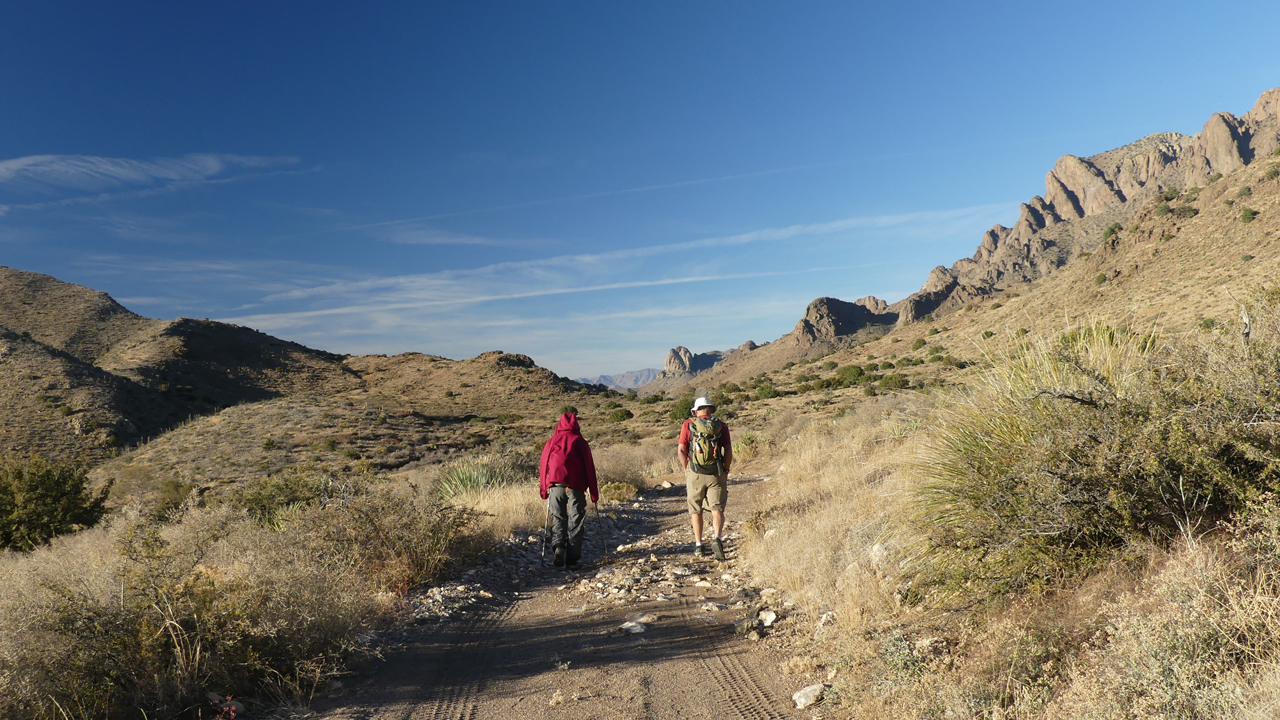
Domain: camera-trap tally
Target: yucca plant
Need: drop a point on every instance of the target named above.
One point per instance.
(485, 471)
(1067, 450)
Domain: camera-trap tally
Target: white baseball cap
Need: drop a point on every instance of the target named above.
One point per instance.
(701, 403)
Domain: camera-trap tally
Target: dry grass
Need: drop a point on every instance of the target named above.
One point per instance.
(142, 615)
(832, 537)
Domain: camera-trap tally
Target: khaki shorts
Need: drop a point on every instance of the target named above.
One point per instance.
(709, 490)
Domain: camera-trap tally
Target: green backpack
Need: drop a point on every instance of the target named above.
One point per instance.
(705, 452)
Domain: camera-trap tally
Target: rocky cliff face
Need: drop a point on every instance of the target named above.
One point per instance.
(1082, 195)
(682, 361)
(827, 319)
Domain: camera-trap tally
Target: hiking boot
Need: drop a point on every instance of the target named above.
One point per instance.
(717, 547)
(559, 559)
(699, 550)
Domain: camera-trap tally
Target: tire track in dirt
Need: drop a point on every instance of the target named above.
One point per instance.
(459, 685)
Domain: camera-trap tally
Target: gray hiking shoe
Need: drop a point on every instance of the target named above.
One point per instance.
(717, 548)
(699, 550)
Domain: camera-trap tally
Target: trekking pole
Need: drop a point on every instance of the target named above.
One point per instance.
(546, 530)
(604, 541)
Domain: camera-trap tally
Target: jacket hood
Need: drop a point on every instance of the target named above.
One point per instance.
(568, 423)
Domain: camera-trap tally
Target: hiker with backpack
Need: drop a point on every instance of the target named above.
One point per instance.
(706, 453)
(566, 473)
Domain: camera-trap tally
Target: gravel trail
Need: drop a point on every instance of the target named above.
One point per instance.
(644, 631)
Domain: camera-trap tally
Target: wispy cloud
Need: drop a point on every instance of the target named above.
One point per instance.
(432, 236)
(90, 173)
(565, 199)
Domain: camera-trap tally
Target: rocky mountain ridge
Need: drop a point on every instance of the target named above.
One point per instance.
(1084, 197)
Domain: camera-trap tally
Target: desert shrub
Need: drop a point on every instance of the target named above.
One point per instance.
(1112, 230)
(830, 365)
(730, 387)
(932, 331)
(1185, 211)
(803, 388)
(330, 444)
(508, 418)
(351, 454)
(886, 365)
(894, 382)
(919, 343)
(140, 618)
(1247, 215)
(620, 415)
(996, 305)
(269, 444)
(987, 334)
(568, 410)
(1169, 194)
(485, 471)
(1246, 258)
(1208, 324)
(610, 405)
(1071, 450)
(654, 398)
(40, 500)
(1099, 279)
(1214, 178)
(1273, 172)
(765, 392)
(1245, 191)
(1163, 209)
(618, 492)
(850, 373)
(682, 408)
(788, 365)
(449, 393)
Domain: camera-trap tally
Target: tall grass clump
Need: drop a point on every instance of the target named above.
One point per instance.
(485, 471)
(1071, 450)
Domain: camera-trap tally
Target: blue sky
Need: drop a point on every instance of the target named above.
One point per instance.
(587, 183)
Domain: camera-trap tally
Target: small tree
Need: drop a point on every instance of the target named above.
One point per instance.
(40, 500)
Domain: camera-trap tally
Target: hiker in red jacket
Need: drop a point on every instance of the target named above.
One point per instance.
(566, 473)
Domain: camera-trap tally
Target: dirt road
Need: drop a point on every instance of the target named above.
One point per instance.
(556, 649)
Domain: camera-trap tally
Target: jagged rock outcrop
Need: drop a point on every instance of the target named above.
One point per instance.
(1053, 228)
(828, 318)
(682, 361)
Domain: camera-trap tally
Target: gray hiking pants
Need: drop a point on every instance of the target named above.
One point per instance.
(568, 520)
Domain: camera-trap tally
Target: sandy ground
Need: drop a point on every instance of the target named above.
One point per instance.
(550, 653)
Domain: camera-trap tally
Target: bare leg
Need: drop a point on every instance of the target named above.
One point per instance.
(696, 521)
(717, 523)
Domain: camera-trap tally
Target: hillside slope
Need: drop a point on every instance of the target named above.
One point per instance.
(1182, 193)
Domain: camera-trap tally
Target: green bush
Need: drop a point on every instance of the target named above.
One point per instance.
(1247, 215)
(507, 418)
(682, 409)
(1099, 279)
(568, 410)
(996, 305)
(987, 334)
(1214, 178)
(1163, 209)
(788, 365)
(932, 331)
(1273, 172)
(895, 382)
(40, 500)
(764, 392)
(886, 365)
(1245, 191)
(1246, 258)
(269, 444)
(850, 373)
(1066, 454)
(830, 365)
(919, 343)
(1185, 211)
(1170, 194)
(1112, 230)
(620, 415)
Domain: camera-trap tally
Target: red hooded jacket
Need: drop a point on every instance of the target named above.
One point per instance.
(566, 458)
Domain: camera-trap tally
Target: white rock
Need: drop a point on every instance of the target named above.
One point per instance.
(770, 533)
(809, 696)
(633, 628)
(666, 485)
(768, 617)
(681, 570)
